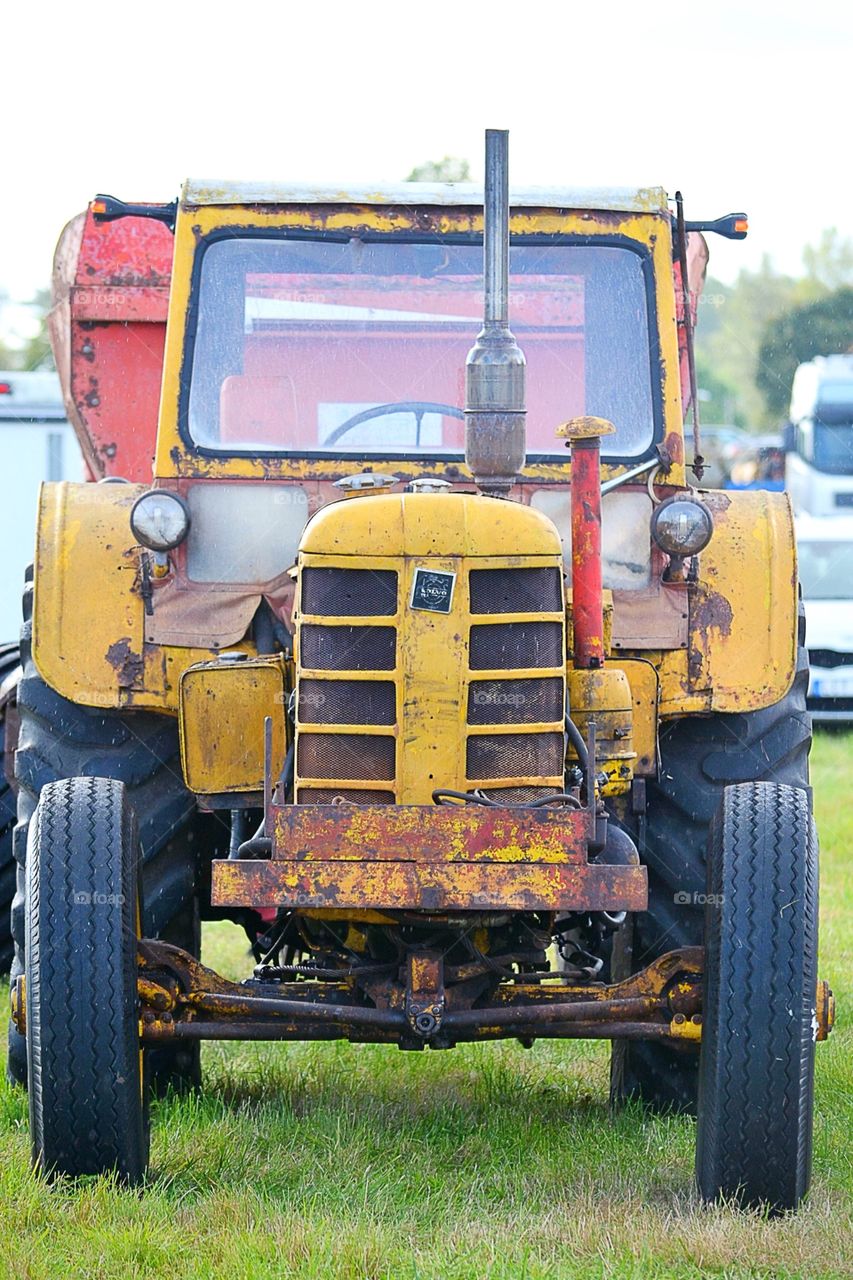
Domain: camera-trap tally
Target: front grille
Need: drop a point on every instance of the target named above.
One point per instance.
(516, 591)
(523, 647)
(362, 647)
(517, 795)
(348, 648)
(508, 646)
(329, 795)
(830, 658)
(516, 701)
(346, 702)
(521, 684)
(346, 755)
(529, 755)
(349, 593)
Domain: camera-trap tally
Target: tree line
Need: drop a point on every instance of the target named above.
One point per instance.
(752, 334)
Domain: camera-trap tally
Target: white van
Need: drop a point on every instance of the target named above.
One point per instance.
(819, 464)
(825, 556)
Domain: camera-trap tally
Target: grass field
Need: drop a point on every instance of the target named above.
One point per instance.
(362, 1162)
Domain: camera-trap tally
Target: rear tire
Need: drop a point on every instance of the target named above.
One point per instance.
(756, 1075)
(88, 1112)
(699, 757)
(9, 660)
(60, 739)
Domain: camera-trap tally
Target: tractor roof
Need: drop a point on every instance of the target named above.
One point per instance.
(448, 194)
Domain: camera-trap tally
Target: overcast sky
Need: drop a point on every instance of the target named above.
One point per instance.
(743, 105)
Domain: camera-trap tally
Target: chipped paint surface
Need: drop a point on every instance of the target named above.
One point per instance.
(424, 884)
(644, 684)
(587, 597)
(214, 698)
(429, 833)
(212, 191)
(602, 696)
(430, 858)
(107, 326)
(743, 610)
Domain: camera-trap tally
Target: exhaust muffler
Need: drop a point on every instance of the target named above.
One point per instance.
(495, 408)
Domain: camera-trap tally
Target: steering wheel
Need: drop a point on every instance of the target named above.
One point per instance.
(417, 407)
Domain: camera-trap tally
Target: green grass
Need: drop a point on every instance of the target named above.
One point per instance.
(490, 1161)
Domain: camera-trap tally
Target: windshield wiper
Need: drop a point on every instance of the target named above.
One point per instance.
(661, 459)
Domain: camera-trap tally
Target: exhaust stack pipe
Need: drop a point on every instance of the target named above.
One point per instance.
(495, 411)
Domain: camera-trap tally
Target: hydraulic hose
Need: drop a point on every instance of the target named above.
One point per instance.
(576, 739)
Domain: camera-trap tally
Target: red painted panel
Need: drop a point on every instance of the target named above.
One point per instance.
(116, 370)
(111, 294)
(129, 251)
(587, 599)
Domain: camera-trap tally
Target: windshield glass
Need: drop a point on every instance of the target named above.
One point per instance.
(826, 570)
(833, 447)
(359, 347)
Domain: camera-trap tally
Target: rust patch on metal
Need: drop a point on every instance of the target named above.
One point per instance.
(429, 886)
(182, 999)
(824, 1011)
(711, 619)
(127, 664)
(18, 1001)
(426, 833)
(425, 993)
(710, 610)
(718, 501)
(674, 447)
(92, 398)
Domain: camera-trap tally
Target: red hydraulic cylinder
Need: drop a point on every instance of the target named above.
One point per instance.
(584, 438)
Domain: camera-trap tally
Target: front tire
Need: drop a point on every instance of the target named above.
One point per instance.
(756, 1073)
(88, 1112)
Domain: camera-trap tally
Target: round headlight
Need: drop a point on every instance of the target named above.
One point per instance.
(682, 526)
(160, 519)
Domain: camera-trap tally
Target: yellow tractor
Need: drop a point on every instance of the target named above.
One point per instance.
(454, 689)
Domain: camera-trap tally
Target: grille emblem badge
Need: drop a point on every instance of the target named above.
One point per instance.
(433, 590)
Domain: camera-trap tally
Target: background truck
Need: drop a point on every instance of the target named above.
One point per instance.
(325, 675)
(36, 443)
(819, 461)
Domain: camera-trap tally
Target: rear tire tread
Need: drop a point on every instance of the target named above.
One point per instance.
(700, 756)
